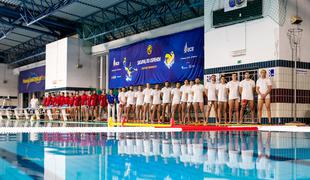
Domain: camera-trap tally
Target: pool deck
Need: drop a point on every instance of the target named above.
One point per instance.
(285, 128)
(150, 128)
(5, 130)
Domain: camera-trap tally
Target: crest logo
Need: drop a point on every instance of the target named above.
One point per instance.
(169, 59)
(149, 49)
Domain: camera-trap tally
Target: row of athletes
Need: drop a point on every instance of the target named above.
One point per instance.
(181, 100)
(91, 104)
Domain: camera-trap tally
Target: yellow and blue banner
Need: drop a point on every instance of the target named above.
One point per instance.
(170, 58)
(32, 80)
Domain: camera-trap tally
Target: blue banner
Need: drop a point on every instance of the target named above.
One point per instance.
(32, 80)
(170, 58)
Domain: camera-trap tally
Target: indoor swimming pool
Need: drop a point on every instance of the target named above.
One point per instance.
(167, 155)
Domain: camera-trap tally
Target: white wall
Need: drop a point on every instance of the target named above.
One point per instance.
(263, 39)
(304, 12)
(80, 77)
(56, 64)
(170, 29)
(61, 60)
(10, 88)
(256, 40)
(259, 39)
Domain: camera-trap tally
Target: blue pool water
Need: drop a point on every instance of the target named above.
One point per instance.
(208, 155)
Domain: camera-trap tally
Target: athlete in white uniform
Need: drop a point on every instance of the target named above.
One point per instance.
(139, 103)
(189, 101)
(156, 103)
(176, 101)
(197, 91)
(212, 98)
(122, 102)
(233, 97)
(222, 99)
(263, 89)
(166, 97)
(147, 102)
(247, 87)
(130, 107)
(185, 91)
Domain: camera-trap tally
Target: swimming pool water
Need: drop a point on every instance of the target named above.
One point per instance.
(182, 155)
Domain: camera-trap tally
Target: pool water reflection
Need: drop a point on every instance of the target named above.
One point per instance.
(182, 155)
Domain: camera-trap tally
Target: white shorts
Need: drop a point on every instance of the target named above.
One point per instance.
(211, 102)
(166, 102)
(238, 99)
(130, 105)
(267, 97)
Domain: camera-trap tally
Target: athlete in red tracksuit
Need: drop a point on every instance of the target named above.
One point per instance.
(61, 99)
(103, 104)
(77, 105)
(93, 105)
(44, 98)
(47, 100)
(66, 100)
(70, 105)
(71, 100)
(55, 102)
(84, 106)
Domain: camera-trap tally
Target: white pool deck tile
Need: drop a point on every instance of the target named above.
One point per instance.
(5, 130)
(284, 128)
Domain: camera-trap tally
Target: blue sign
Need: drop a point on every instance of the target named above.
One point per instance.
(170, 58)
(32, 80)
(230, 5)
(271, 72)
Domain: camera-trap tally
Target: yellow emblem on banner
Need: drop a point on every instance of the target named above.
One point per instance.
(169, 59)
(149, 49)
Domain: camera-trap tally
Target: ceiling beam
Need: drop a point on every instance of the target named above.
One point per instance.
(33, 11)
(143, 18)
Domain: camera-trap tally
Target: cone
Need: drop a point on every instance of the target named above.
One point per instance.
(172, 122)
(110, 122)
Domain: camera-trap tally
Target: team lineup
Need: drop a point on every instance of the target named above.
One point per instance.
(159, 105)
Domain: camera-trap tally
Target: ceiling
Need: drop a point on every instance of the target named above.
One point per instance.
(26, 26)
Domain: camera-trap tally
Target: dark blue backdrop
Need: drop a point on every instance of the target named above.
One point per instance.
(170, 58)
(32, 80)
